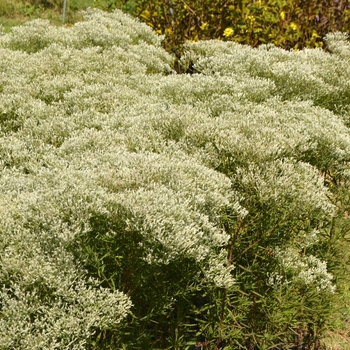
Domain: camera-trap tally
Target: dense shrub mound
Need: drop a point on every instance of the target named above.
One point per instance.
(142, 209)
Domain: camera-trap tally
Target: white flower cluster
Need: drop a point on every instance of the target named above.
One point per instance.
(309, 239)
(47, 301)
(94, 123)
(310, 74)
(338, 43)
(274, 279)
(308, 269)
(293, 187)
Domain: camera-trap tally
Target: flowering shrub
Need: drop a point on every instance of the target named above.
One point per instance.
(149, 210)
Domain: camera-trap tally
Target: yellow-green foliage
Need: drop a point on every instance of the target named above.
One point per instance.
(285, 23)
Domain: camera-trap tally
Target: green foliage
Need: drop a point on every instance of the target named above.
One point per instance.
(144, 209)
(6, 8)
(16, 12)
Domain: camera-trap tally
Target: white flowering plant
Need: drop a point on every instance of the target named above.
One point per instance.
(146, 209)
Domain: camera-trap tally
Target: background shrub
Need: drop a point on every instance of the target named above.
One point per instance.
(290, 24)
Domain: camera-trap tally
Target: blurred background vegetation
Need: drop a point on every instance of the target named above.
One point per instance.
(290, 24)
